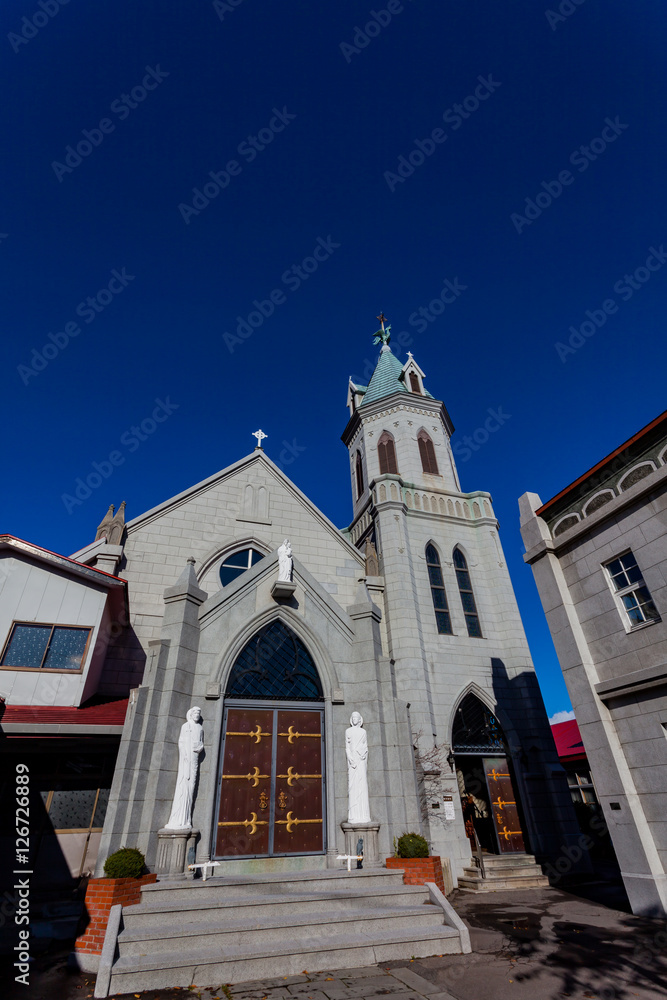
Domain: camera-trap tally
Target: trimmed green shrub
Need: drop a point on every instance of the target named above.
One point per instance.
(411, 845)
(128, 862)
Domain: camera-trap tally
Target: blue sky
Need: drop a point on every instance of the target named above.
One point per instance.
(515, 150)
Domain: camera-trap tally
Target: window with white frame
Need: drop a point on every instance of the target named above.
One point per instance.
(631, 592)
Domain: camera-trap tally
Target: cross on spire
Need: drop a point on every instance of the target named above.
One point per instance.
(383, 335)
(260, 435)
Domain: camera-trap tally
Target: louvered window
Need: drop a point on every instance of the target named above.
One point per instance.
(427, 454)
(387, 454)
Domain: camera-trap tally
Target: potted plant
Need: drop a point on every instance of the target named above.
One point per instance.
(411, 854)
(124, 875)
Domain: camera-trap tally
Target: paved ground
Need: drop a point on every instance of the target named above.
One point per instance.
(534, 944)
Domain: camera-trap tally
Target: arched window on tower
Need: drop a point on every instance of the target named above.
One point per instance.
(427, 454)
(467, 596)
(359, 472)
(438, 593)
(387, 454)
(414, 383)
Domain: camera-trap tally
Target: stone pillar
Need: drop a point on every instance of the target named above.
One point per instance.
(173, 850)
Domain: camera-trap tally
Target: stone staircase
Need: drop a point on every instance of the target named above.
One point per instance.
(503, 871)
(240, 928)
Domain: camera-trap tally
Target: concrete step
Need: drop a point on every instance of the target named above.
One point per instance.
(220, 933)
(150, 913)
(133, 973)
(500, 860)
(478, 884)
(239, 887)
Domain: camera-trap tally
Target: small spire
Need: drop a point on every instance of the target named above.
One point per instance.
(105, 524)
(115, 536)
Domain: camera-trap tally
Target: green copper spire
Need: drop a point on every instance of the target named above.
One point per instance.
(383, 335)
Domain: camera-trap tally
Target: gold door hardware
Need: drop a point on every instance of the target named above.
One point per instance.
(263, 800)
(253, 776)
(497, 774)
(290, 821)
(255, 734)
(292, 776)
(509, 833)
(282, 800)
(292, 735)
(501, 804)
(252, 823)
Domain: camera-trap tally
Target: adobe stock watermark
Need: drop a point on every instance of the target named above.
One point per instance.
(581, 158)
(122, 107)
(222, 7)
(378, 20)
(450, 292)
(249, 149)
(454, 117)
(625, 288)
(130, 440)
(31, 26)
(292, 279)
(565, 9)
(473, 442)
(88, 310)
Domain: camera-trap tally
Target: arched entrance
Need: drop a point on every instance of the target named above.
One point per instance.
(270, 799)
(491, 810)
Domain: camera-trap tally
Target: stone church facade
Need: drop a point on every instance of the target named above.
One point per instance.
(407, 617)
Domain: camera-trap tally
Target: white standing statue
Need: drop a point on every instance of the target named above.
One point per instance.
(356, 749)
(190, 745)
(285, 562)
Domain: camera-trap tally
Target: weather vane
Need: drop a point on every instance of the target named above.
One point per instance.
(383, 335)
(260, 435)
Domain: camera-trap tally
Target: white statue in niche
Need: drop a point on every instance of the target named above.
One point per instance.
(356, 750)
(190, 745)
(285, 562)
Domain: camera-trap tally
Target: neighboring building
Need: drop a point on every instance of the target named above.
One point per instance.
(57, 715)
(408, 617)
(598, 551)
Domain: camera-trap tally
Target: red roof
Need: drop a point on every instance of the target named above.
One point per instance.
(109, 713)
(568, 739)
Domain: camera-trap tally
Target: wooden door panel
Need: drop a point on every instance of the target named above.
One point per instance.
(245, 794)
(503, 805)
(298, 803)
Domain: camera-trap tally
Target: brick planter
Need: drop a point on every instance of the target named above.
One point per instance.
(418, 871)
(101, 895)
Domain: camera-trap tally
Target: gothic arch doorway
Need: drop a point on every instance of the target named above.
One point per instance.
(491, 810)
(270, 793)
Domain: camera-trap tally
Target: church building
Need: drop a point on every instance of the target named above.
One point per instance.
(407, 617)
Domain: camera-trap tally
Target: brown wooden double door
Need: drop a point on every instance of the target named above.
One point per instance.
(271, 783)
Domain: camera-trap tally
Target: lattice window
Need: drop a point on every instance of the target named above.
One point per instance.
(631, 593)
(467, 595)
(45, 647)
(275, 664)
(438, 593)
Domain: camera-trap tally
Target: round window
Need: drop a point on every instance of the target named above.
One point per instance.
(238, 563)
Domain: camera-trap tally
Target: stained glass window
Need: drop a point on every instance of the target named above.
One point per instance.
(51, 647)
(238, 563)
(276, 665)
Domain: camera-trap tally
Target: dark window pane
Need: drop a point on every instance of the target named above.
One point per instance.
(71, 809)
(463, 579)
(443, 623)
(459, 559)
(468, 602)
(628, 560)
(237, 564)
(633, 574)
(473, 626)
(239, 559)
(66, 648)
(228, 573)
(439, 598)
(435, 576)
(27, 646)
(615, 567)
(432, 555)
(256, 556)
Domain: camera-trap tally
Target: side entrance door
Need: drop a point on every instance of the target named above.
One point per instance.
(503, 805)
(271, 783)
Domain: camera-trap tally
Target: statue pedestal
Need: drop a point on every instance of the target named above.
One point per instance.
(369, 833)
(174, 848)
(282, 589)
